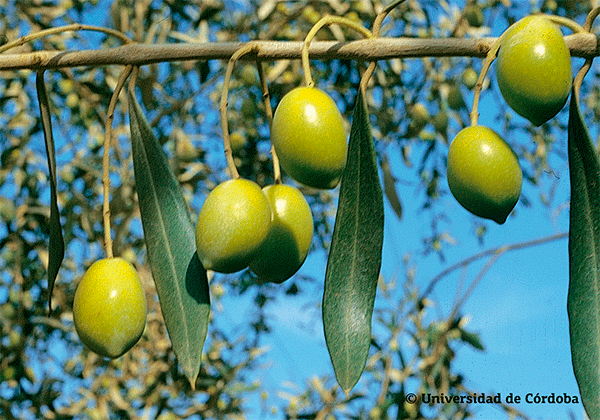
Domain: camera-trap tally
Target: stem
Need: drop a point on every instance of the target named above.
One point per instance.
(567, 23)
(589, 21)
(106, 160)
(490, 57)
(376, 29)
(52, 31)
(326, 20)
(246, 49)
(383, 14)
(264, 86)
(580, 75)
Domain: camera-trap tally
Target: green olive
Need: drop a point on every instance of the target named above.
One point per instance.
(109, 308)
(233, 223)
(484, 173)
(419, 117)
(290, 236)
(469, 78)
(310, 137)
(534, 69)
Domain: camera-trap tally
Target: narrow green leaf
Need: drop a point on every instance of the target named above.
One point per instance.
(56, 244)
(471, 338)
(389, 188)
(181, 281)
(355, 256)
(583, 301)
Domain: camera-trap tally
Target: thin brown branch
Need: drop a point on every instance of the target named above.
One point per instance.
(581, 45)
(491, 252)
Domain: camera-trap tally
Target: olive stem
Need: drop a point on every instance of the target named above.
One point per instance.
(264, 87)
(106, 160)
(246, 49)
(589, 21)
(567, 23)
(74, 27)
(382, 15)
(580, 75)
(326, 20)
(491, 56)
(376, 30)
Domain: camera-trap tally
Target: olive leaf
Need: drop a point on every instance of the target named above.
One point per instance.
(583, 301)
(389, 187)
(181, 281)
(56, 244)
(355, 256)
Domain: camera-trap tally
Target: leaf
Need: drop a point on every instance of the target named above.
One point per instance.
(471, 338)
(181, 281)
(583, 301)
(56, 244)
(389, 187)
(355, 256)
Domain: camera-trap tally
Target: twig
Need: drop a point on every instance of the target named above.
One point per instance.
(53, 31)
(498, 250)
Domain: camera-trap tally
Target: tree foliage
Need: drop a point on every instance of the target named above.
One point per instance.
(45, 372)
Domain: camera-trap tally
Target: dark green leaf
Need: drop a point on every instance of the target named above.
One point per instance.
(56, 244)
(355, 256)
(181, 281)
(472, 339)
(583, 302)
(389, 187)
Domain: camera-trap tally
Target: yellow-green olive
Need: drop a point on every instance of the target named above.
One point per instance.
(309, 136)
(534, 69)
(290, 236)
(233, 223)
(109, 308)
(484, 173)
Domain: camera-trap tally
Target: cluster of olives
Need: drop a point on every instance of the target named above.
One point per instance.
(240, 225)
(270, 230)
(533, 71)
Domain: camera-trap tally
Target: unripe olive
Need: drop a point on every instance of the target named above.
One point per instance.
(419, 117)
(440, 122)
(233, 223)
(185, 150)
(469, 77)
(534, 69)
(109, 308)
(310, 137)
(484, 173)
(455, 98)
(7, 209)
(290, 235)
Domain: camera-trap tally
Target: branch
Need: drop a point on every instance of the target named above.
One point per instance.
(490, 252)
(581, 45)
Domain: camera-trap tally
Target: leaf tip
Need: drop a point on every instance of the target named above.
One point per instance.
(193, 382)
